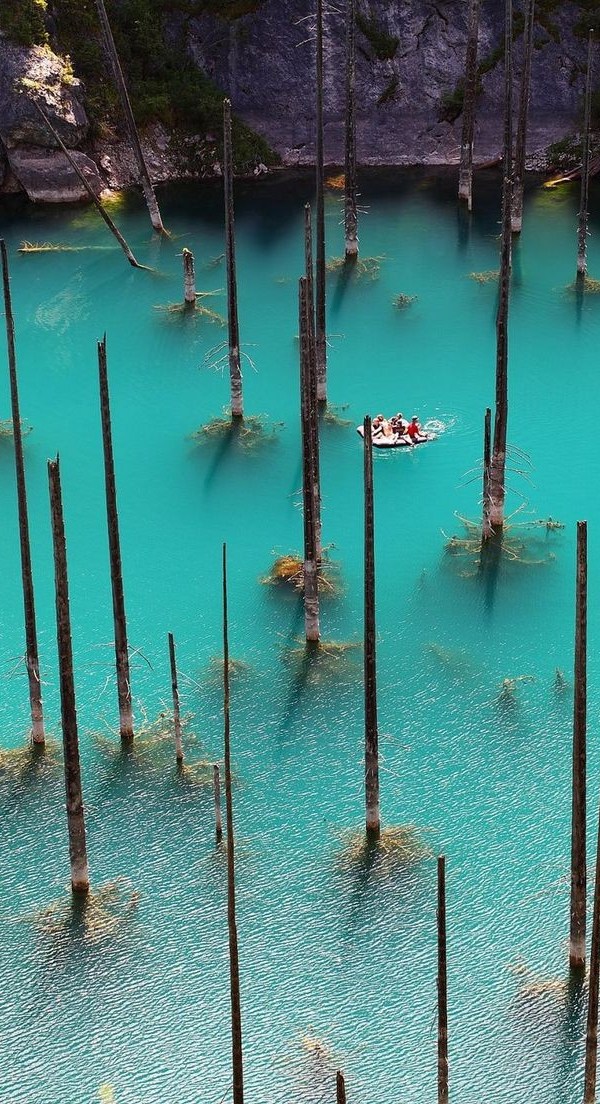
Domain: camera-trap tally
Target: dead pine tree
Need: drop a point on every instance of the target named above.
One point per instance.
(582, 231)
(578, 817)
(320, 327)
(235, 362)
(175, 694)
(591, 1036)
(144, 175)
(234, 968)
(340, 1088)
(442, 983)
(465, 174)
(308, 412)
(189, 279)
(493, 521)
(90, 191)
(372, 812)
(80, 880)
(521, 141)
(350, 192)
(310, 299)
(31, 646)
(114, 545)
(217, 798)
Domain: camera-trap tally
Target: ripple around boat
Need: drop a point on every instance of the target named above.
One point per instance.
(336, 940)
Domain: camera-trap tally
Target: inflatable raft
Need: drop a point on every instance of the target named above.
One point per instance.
(395, 440)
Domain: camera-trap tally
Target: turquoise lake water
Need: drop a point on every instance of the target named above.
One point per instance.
(338, 964)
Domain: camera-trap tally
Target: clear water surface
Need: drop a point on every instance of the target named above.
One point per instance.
(338, 964)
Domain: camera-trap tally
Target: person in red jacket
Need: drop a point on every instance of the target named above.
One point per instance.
(414, 430)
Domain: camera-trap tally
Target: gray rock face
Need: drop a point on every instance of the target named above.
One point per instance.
(47, 177)
(265, 64)
(38, 73)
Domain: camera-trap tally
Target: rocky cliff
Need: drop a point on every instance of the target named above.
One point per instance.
(261, 53)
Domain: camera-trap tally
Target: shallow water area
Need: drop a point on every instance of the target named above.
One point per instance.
(337, 956)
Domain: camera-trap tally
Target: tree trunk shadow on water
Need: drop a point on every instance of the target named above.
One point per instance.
(223, 448)
(571, 1029)
(343, 283)
(464, 222)
(490, 564)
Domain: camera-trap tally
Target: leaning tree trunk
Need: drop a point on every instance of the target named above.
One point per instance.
(321, 338)
(114, 548)
(31, 647)
(497, 487)
(235, 362)
(350, 196)
(521, 144)
(465, 175)
(144, 176)
(582, 234)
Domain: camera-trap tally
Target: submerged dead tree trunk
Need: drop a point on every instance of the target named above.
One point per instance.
(144, 175)
(494, 525)
(80, 879)
(350, 195)
(373, 818)
(340, 1088)
(487, 455)
(235, 356)
(31, 646)
(308, 414)
(189, 278)
(578, 817)
(442, 984)
(114, 546)
(90, 191)
(591, 1037)
(465, 174)
(582, 232)
(234, 968)
(320, 331)
(175, 695)
(310, 299)
(521, 144)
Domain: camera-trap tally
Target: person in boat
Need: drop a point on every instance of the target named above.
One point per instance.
(398, 424)
(414, 431)
(381, 425)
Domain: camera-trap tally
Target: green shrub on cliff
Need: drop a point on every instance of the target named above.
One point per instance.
(23, 21)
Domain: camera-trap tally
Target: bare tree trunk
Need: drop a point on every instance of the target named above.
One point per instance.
(310, 299)
(90, 191)
(176, 709)
(373, 818)
(309, 495)
(217, 797)
(189, 278)
(582, 233)
(591, 1037)
(114, 546)
(487, 454)
(31, 646)
(465, 176)
(521, 144)
(340, 1088)
(235, 356)
(321, 336)
(350, 195)
(80, 879)
(498, 462)
(144, 175)
(234, 968)
(442, 985)
(578, 817)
